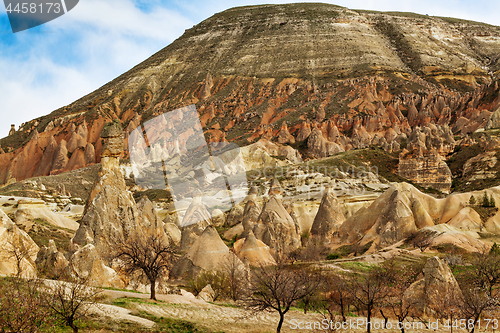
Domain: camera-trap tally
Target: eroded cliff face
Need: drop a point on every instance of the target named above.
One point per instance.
(307, 75)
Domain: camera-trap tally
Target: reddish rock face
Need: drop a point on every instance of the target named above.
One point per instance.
(251, 95)
(45, 165)
(423, 162)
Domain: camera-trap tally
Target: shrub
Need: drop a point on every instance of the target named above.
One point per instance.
(486, 201)
(216, 279)
(333, 256)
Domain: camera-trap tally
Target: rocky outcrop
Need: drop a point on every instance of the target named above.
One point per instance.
(276, 228)
(253, 251)
(197, 212)
(256, 93)
(429, 171)
(87, 263)
(250, 216)
(329, 217)
(403, 209)
(208, 253)
(423, 162)
(386, 221)
(191, 233)
(173, 233)
(263, 152)
(45, 165)
(284, 136)
(207, 294)
(318, 146)
(111, 217)
(14, 240)
(438, 289)
(12, 129)
(50, 262)
(494, 121)
(304, 131)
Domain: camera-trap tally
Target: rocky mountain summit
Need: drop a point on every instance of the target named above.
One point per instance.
(315, 79)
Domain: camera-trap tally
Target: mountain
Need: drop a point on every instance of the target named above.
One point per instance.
(320, 78)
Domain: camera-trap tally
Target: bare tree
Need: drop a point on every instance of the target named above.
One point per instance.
(279, 287)
(369, 291)
(476, 299)
(70, 301)
(448, 307)
(419, 240)
(237, 277)
(337, 297)
(21, 252)
(152, 255)
(21, 306)
(400, 279)
(486, 268)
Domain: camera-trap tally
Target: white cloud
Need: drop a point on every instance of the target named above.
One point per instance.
(104, 38)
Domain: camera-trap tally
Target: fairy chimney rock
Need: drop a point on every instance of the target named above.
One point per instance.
(112, 143)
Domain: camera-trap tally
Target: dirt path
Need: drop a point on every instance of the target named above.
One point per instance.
(116, 312)
(226, 319)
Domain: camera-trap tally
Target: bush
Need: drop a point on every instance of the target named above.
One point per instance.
(22, 307)
(216, 279)
(495, 249)
(486, 201)
(472, 200)
(333, 256)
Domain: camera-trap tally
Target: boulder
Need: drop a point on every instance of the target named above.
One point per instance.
(14, 241)
(236, 231)
(437, 289)
(207, 294)
(51, 262)
(173, 232)
(218, 218)
(235, 215)
(87, 263)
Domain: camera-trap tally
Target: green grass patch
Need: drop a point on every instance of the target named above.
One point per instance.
(154, 195)
(42, 231)
(359, 267)
(173, 325)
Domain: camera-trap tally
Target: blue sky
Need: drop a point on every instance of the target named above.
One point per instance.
(50, 66)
